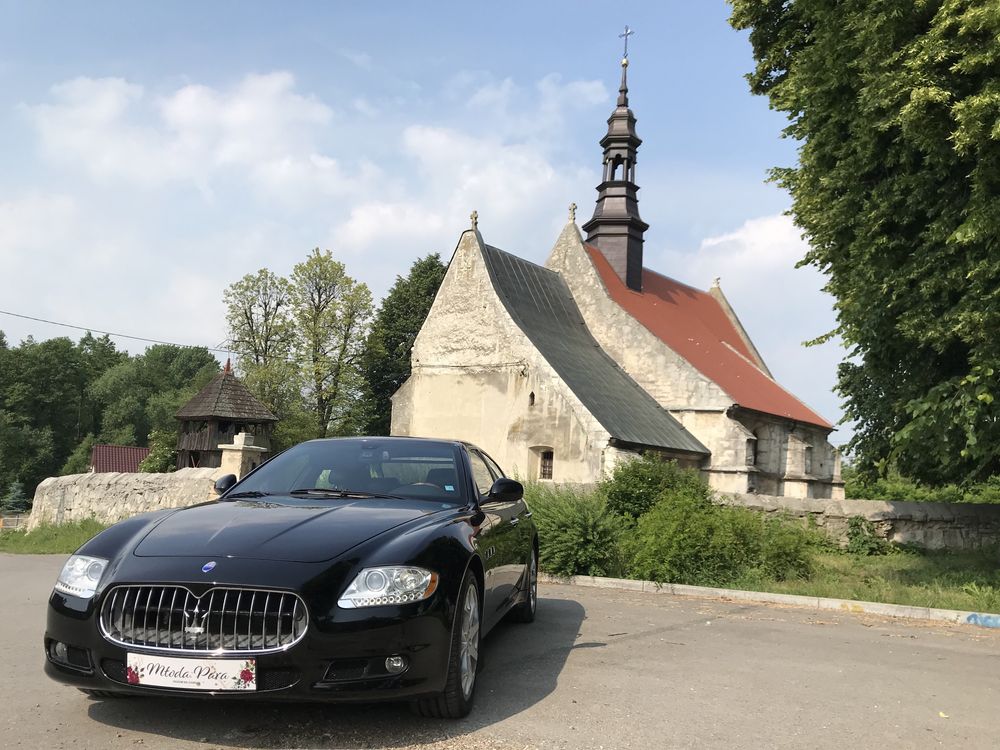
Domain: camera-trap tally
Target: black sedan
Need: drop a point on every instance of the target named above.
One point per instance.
(349, 569)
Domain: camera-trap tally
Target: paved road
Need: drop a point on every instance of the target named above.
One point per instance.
(598, 669)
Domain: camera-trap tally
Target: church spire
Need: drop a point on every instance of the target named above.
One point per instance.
(616, 228)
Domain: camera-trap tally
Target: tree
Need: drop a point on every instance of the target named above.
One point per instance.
(15, 501)
(332, 312)
(299, 344)
(396, 325)
(897, 108)
(262, 335)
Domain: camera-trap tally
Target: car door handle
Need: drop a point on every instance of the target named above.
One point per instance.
(527, 514)
(513, 522)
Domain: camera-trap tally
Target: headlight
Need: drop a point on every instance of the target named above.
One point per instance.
(80, 576)
(395, 585)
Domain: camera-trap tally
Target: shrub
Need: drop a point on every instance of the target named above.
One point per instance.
(862, 539)
(897, 487)
(685, 539)
(635, 486)
(577, 534)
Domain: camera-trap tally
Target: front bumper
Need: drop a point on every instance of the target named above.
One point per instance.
(341, 658)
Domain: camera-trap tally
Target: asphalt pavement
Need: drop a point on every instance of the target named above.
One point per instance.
(598, 669)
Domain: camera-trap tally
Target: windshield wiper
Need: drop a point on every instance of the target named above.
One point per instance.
(248, 493)
(338, 492)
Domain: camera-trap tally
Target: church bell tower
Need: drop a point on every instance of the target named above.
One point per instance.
(616, 229)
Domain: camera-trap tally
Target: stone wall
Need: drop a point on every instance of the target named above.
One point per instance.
(952, 526)
(114, 496)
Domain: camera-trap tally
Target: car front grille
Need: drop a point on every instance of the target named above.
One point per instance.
(222, 620)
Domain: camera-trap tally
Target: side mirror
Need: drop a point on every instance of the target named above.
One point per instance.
(223, 483)
(506, 491)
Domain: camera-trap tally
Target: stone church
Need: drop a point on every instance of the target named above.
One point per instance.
(562, 371)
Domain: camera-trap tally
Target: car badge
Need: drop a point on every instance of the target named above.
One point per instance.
(208, 567)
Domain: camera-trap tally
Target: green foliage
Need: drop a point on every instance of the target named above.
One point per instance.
(300, 343)
(893, 487)
(79, 460)
(57, 398)
(162, 456)
(863, 539)
(14, 500)
(968, 581)
(50, 540)
(897, 188)
(686, 539)
(577, 534)
(396, 325)
(635, 486)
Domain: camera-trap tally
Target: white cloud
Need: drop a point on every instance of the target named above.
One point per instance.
(115, 132)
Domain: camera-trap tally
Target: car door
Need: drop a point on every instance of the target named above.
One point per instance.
(516, 516)
(494, 542)
(505, 543)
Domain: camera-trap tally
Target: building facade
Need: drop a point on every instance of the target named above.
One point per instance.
(563, 370)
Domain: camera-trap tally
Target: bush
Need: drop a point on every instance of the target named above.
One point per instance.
(685, 539)
(577, 534)
(635, 486)
(895, 487)
(862, 539)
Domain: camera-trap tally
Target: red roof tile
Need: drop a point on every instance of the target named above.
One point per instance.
(693, 324)
(124, 458)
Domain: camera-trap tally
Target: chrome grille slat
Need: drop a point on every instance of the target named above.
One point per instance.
(164, 618)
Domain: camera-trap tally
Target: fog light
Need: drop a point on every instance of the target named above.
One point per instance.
(58, 652)
(395, 664)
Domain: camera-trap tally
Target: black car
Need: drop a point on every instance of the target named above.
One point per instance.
(349, 569)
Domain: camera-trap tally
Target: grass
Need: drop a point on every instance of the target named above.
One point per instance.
(47, 539)
(946, 580)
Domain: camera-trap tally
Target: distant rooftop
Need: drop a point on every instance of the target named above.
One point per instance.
(106, 458)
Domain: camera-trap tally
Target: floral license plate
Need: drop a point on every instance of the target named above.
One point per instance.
(191, 674)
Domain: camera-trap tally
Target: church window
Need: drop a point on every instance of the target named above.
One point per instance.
(545, 465)
(807, 462)
(752, 452)
(531, 399)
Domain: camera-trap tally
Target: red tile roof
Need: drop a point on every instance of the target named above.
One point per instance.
(693, 324)
(124, 458)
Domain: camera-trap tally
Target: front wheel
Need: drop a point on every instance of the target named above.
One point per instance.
(525, 611)
(463, 662)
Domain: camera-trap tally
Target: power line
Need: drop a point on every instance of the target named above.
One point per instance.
(111, 333)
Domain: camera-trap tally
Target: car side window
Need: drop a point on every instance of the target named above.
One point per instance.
(481, 473)
(497, 471)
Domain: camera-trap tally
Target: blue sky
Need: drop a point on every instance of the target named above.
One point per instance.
(154, 153)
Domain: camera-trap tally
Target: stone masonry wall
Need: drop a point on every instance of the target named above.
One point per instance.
(114, 496)
(952, 526)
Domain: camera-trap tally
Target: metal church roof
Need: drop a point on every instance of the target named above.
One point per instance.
(543, 307)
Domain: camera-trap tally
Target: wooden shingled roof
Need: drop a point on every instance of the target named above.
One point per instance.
(225, 397)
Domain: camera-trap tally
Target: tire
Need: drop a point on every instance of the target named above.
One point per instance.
(463, 660)
(525, 611)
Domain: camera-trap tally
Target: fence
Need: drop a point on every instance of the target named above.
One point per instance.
(13, 522)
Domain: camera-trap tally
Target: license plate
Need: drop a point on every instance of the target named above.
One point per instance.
(191, 674)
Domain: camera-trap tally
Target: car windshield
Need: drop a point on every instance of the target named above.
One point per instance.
(351, 467)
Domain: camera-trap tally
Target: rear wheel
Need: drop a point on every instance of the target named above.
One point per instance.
(525, 611)
(463, 662)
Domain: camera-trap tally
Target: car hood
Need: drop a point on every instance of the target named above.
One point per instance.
(287, 529)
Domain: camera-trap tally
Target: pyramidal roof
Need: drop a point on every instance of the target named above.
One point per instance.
(225, 397)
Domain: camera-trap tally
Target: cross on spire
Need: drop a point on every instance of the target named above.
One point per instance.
(625, 35)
